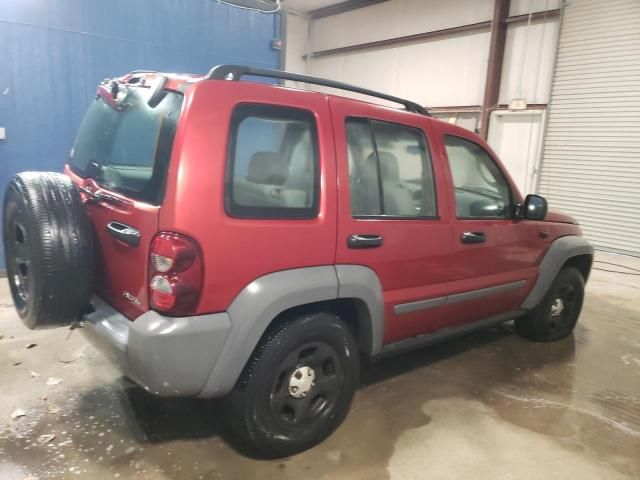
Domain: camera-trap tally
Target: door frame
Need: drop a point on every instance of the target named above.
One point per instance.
(533, 162)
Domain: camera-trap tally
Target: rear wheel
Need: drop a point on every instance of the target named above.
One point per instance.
(48, 249)
(557, 314)
(297, 387)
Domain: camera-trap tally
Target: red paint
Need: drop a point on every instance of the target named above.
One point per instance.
(122, 269)
(419, 259)
(560, 217)
(237, 251)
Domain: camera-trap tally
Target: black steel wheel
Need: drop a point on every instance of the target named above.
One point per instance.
(19, 263)
(306, 385)
(297, 387)
(557, 314)
(561, 316)
(48, 249)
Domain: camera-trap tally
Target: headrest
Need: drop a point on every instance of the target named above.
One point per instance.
(389, 169)
(267, 168)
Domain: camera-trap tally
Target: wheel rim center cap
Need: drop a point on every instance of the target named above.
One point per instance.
(557, 307)
(301, 382)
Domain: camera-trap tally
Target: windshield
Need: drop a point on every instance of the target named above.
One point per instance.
(128, 149)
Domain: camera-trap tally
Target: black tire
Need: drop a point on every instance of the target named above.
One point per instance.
(557, 314)
(48, 249)
(266, 418)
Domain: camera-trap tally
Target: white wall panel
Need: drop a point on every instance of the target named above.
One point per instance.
(528, 61)
(396, 18)
(296, 43)
(440, 72)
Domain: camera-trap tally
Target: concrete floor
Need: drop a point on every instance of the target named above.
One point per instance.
(487, 406)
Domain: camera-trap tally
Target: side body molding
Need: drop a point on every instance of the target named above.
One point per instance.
(559, 252)
(262, 300)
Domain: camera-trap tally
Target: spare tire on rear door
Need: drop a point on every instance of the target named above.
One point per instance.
(48, 249)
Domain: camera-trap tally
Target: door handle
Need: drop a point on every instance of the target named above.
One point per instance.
(472, 237)
(124, 233)
(364, 241)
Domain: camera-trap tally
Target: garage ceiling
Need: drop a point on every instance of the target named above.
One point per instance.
(325, 8)
(309, 5)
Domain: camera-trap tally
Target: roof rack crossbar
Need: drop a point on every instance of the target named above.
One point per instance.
(235, 72)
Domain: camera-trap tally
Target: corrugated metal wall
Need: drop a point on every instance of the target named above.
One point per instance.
(53, 53)
(591, 163)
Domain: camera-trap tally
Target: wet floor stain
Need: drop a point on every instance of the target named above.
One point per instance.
(453, 402)
(479, 444)
(114, 432)
(489, 405)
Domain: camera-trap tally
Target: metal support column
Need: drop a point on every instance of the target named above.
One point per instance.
(494, 64)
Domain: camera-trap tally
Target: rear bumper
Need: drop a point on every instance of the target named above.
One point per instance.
(168, 356)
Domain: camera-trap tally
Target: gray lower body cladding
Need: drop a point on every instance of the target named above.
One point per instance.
(167, 356)
(204, 355)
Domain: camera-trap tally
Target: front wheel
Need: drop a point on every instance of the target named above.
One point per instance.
(557, 314)
(297, 387)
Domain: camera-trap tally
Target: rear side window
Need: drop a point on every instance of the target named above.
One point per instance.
(390, 170)
(272, 170)
(127, 149)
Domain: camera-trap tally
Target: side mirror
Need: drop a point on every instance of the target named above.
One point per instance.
(535, 207)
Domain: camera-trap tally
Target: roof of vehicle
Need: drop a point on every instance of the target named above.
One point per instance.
(236, 72)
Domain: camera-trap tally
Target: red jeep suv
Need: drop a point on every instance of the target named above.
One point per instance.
(219, 237)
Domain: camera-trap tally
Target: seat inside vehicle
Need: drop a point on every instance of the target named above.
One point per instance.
(397, 198)
(267, 184)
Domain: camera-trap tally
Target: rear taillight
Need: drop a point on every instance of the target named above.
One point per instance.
(175, 274)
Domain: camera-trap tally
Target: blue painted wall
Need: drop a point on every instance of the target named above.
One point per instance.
(53, 54)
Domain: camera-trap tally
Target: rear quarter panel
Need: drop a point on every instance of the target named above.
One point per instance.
(237, 251)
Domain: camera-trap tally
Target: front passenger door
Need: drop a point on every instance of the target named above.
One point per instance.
(493, 258)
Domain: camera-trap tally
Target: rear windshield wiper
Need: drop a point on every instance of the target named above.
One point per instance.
(102, 197)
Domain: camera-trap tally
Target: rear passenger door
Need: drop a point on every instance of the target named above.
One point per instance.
(391, 216)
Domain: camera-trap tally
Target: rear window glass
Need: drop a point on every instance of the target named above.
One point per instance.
(273, 163)
(127, 150)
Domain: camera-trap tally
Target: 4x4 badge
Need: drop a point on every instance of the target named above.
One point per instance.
(131, 298)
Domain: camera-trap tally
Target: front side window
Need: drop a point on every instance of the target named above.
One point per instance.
(390, 170)
(480, 187)
(273, 163)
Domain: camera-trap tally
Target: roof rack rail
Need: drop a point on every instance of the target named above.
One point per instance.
(235, 72)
